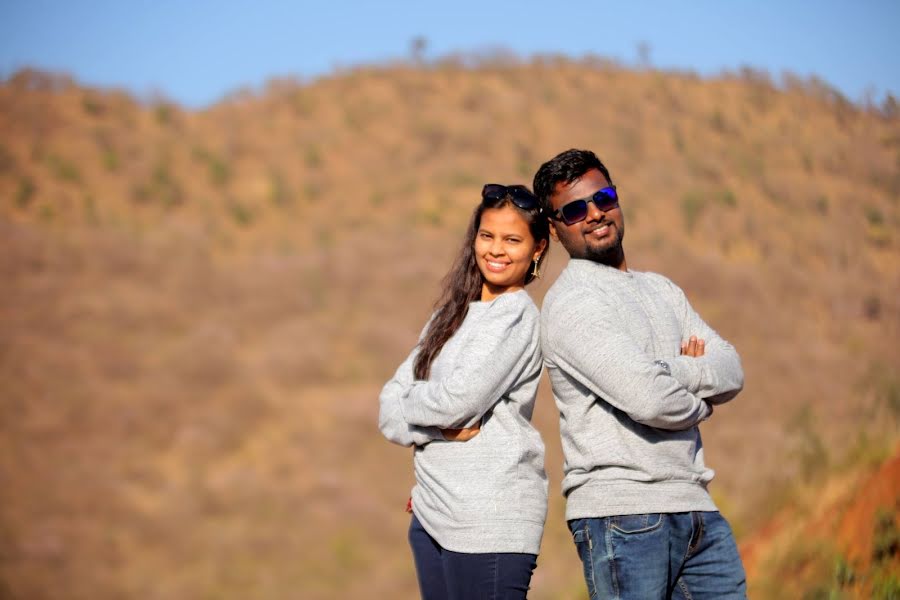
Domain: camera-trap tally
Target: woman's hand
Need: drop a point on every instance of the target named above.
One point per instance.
(461, 435)
(693, 347)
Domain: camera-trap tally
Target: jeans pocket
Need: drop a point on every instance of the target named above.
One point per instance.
(634, 524)
(584, 545)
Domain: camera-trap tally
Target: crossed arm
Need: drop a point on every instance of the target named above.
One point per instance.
(493, 357)
(603, 357)
(390, 417)
(716, 374)
(450, 408)
(601, 354)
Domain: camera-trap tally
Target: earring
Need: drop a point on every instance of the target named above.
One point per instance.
(534, 272)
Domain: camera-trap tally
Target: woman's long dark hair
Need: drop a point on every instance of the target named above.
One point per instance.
(464, 282)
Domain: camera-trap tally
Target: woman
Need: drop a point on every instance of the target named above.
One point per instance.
(464, 399)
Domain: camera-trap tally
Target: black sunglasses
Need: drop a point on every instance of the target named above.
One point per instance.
(519, 195)
(576, 210)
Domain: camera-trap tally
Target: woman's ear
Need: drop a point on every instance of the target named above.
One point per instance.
(539, 249)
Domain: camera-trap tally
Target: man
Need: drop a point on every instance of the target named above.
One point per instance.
(634, 372)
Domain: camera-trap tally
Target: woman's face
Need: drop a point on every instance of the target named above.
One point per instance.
(504, 250)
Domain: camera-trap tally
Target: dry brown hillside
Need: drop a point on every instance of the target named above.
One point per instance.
(198, 309)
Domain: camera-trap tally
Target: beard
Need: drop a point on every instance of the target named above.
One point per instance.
(610, 255)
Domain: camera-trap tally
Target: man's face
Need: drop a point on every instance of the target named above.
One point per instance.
(599, 236)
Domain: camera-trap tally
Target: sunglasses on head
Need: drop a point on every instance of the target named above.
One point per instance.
(519, 195)
(576, 210)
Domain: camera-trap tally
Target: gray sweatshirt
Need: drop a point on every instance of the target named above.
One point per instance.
(629, 403)
(488, 494)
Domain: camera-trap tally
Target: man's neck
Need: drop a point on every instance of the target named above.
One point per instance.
(614, 257)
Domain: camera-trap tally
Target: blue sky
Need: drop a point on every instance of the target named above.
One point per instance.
(197, 51)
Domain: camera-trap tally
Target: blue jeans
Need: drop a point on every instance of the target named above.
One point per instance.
(446, 575)
(662, 555)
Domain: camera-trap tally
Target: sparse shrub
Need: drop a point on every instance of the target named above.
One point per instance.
(7, 160)
(461, 179)
(809, 450)
(46, 213)
(431, 215)
(727, 198)
(92, 105)
(524, 168)
(886, 541)
(37, 80)
(807, 161)
(217, 169)
(313, 157)
(821, 204)
(279, 194)
(324, 239)
(219, 173)
(63, 169)
(806, 569)
(90, 210)
(549, 95)
(165, 187)
(25, 192)
(110, 160)
(890, 108)
(874, 216)
(872, 307)
(312, 190)
(678, 140)
(869, 450)
(164, 113)
(692, 205)
(347, 550)
(717, 122)
(303, 104)
(162, 186)
(750, 164)
(756, 78)
(241, 213)
(843, 572)
(376, 199)
(140, 193)
(886, 586)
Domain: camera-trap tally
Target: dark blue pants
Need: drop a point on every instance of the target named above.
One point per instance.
(676, 556)
(446, 575)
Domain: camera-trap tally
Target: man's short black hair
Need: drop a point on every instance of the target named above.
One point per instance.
(565, 167)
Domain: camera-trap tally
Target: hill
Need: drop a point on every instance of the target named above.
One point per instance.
(199, 308)
(840, 538)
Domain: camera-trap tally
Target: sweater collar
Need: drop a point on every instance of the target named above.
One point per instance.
(590, 268)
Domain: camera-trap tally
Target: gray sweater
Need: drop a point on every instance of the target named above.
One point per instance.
(488, 494)
(629, 403)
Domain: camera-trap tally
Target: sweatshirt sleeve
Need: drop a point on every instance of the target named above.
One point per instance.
(390, 418)
(592, 347)
(717, 376)
(500, 345)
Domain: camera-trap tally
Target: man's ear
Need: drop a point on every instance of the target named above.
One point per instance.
(553, 233)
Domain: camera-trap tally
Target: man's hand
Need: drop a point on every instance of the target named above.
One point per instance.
(693, 347)
(696, 347)
(461, 435)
